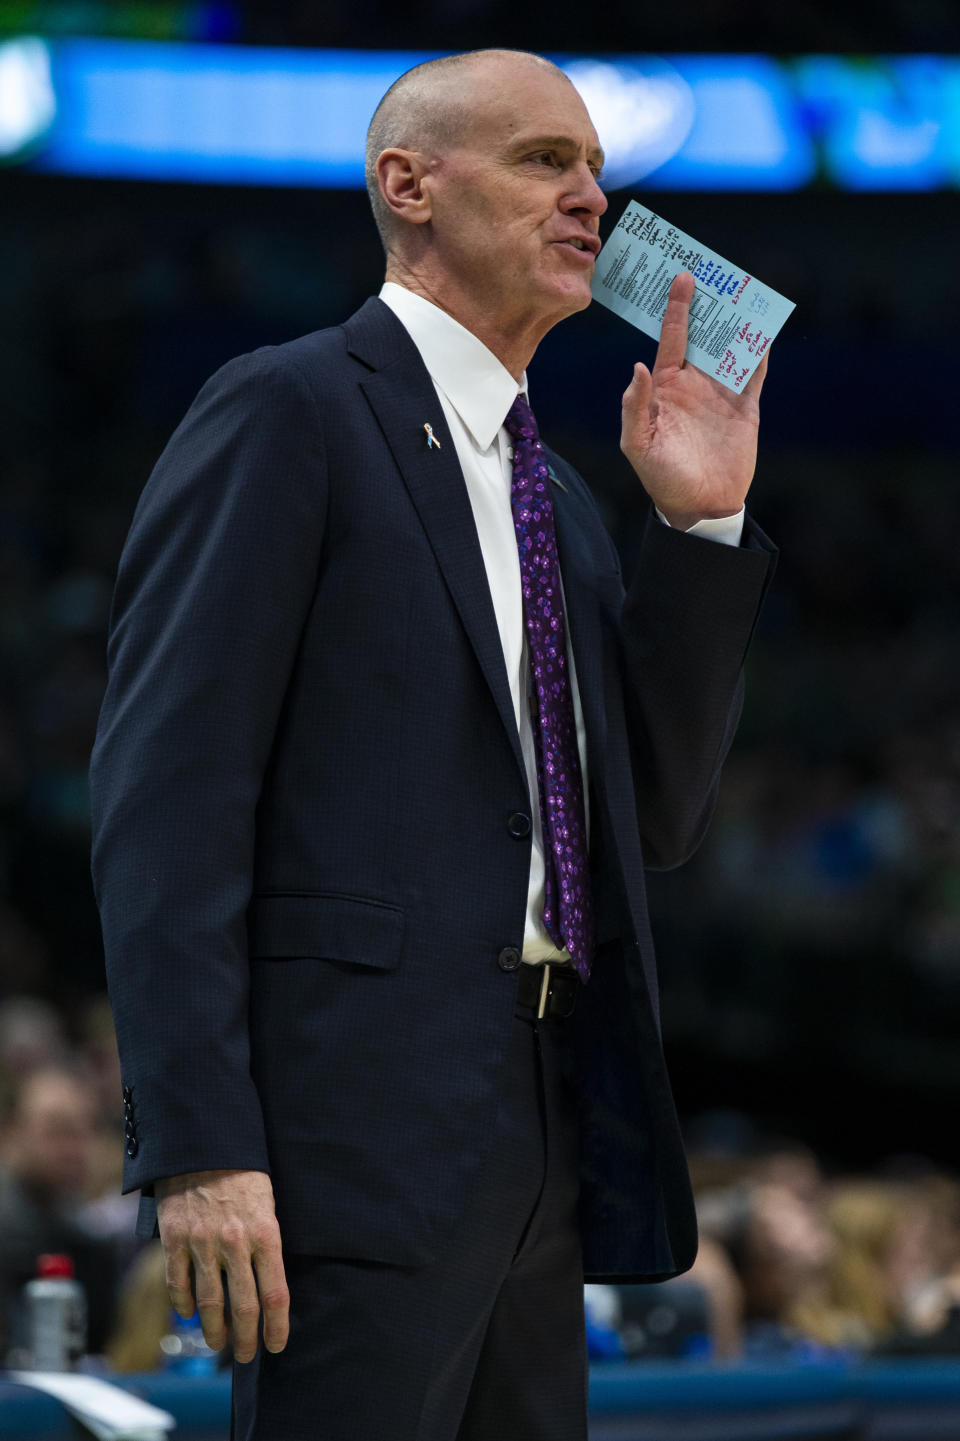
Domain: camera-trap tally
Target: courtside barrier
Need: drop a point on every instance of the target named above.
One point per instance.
(912, 1400)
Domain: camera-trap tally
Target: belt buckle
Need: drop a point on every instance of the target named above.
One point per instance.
(544, 992)
(563, 999)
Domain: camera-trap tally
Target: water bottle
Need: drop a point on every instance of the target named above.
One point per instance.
(184, 1349)
(56, 1315)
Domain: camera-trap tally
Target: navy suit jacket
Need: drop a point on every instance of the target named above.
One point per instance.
(302, 781)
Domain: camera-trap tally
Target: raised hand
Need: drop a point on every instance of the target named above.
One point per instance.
(224, 1221)
(691, 440)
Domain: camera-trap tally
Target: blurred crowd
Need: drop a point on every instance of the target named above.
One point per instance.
(794, 1264)
(61, 1142)
(797, 1265)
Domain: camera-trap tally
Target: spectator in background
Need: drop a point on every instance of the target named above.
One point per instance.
(31, 1034)
(858, 1307)
(143, 1314)
(784, 1257)
(49, 1142)
(860, 1265)
(780, 1248)
(924, 1269)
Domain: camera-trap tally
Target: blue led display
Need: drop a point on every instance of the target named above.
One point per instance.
(257, 116)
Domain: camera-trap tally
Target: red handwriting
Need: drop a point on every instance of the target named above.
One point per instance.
(729, 366)
(743, 285)
(755, 340)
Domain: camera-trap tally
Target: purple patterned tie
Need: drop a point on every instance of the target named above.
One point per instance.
(568, 909)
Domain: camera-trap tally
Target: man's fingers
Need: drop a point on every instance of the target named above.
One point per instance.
(177, 1278)
(673, 329)
(244, 1309)
(274, 1296)
(636, 397)
(210, 1302)
(638, 414)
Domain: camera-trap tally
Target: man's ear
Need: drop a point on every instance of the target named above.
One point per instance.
(400, 174)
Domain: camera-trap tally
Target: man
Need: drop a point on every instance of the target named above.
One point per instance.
(347, 966)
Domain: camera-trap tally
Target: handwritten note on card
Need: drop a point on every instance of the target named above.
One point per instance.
(733, 316)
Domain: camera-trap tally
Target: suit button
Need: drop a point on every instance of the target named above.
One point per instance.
(509, 958)
(127, 1094)
(133, 1147)
(519, 825)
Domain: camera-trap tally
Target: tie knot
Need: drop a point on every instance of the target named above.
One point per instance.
(520, 422)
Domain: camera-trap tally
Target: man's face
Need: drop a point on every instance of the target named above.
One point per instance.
(50, 1141)
(516, 206)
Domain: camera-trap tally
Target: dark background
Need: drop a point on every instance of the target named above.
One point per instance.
(810, 954)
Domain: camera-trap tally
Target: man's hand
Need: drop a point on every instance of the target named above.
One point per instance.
(225, 1221)
(691, 440)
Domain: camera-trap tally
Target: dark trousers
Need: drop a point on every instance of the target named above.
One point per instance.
(485, 1344)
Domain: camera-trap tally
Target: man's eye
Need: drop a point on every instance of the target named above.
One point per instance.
(545, 157)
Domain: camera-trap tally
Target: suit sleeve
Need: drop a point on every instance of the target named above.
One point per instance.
(686, 623)
(214, 586)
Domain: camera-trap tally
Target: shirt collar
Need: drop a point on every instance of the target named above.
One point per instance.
(480, 389)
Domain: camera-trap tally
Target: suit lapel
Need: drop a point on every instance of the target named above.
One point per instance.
(403, 399)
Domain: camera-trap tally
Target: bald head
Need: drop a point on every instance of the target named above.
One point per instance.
(429, 109)
(483, 171)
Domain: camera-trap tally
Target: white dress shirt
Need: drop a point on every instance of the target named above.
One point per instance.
(475, 392)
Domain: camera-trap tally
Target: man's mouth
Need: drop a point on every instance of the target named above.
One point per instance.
(586, 244)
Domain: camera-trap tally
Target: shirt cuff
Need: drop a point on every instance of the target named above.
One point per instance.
(727, 529)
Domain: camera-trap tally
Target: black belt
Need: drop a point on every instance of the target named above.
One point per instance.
(549, 990)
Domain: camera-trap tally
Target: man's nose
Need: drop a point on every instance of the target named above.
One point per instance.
(585, 195)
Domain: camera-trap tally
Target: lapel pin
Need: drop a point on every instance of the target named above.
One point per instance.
(431, 438)
(555, 479)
